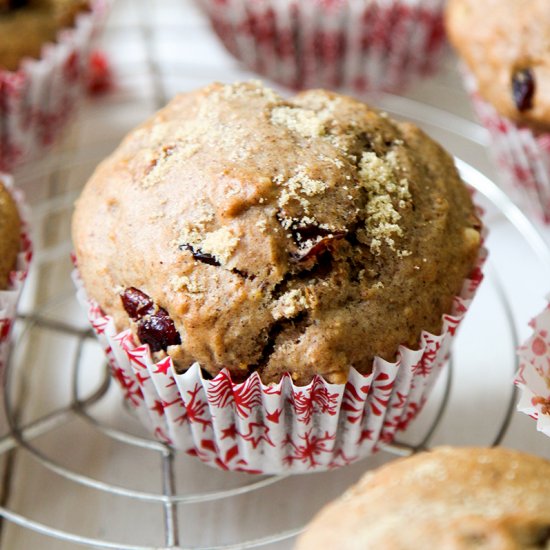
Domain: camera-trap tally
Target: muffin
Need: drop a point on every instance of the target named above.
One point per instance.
(26, 26)
(10, 239)
(265, 239)
(44, 53)
(15, 255)
(505, 46)
(449, 498)
(533, 377)
(348, 44)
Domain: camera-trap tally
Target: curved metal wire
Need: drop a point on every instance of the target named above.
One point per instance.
(505, 302)
(38, 527)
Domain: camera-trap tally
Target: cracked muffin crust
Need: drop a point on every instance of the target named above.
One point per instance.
(26, 25)
(506, 45)
(242, 230)
(10, 235)
(449, 499)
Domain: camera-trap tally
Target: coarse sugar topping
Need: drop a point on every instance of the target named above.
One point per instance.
(384, 191)
(305, 122)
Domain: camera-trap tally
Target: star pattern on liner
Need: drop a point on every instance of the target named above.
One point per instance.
(131, 391)
(197, 408)
(257, 432)
(163, 366)
(316, 398)
(308, 448)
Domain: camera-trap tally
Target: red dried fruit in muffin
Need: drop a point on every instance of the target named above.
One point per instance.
(136, 303)
(320, 246)
(154, 326)
(158, 330)
(309, 232)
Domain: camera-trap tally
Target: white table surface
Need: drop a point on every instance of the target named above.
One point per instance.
(158, 48)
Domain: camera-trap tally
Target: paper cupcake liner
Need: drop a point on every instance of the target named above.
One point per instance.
(348, 44)
(100, 78)
(521, 156)
(533, 377)
(38, 99)
(277, 428)
(10, 296)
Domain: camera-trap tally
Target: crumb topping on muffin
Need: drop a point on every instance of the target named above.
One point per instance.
(304, 235)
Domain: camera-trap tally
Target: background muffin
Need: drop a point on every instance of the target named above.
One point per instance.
(305, 236)
(345, 44)
(15, 257)
(25, 26)
(505, 45)
(449, 498)
(10, 235)
(251, 262)
(44, 60)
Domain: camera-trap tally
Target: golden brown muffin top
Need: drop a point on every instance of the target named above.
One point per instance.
(506, 45)
(10, 235)
(305, 235)
(447, 499)
(25, 26)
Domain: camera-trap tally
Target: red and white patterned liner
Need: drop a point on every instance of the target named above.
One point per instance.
(533, 377)
(347, 44)
(10, 296)
(277, 428)
(521, 156)
(37, 100)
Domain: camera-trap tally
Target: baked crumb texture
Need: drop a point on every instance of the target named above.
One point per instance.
(306, 235)
(449, 499)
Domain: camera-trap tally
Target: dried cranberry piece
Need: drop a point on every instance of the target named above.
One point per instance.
(158, 330)
(321, 269)
(200, 256)
(154, 326)
(136, 303)
(309, 232)
(523, 89)
(321, 246)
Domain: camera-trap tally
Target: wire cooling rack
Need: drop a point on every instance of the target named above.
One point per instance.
(78, 468)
